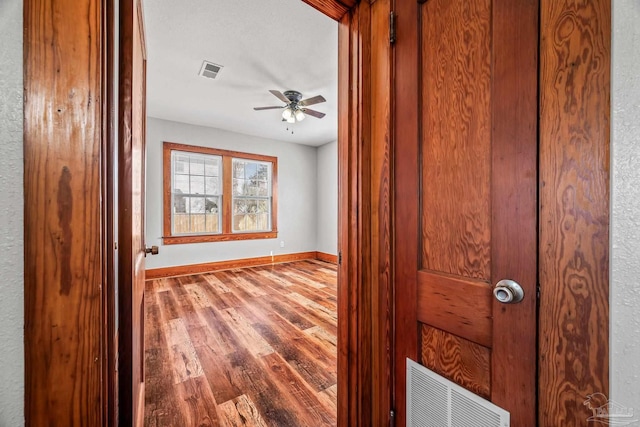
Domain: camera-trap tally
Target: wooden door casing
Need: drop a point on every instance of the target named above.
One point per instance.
(465, 196)
(110, 217)
(364, 168)
(575, 79)
(131, 264)
(63, 205)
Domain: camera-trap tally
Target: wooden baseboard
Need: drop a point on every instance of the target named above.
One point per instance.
(323, 256)
(184, 270)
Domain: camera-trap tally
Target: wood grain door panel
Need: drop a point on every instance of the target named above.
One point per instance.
(466, 203)
(444, 301)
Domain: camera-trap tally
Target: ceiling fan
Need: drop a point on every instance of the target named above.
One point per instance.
(296, 107)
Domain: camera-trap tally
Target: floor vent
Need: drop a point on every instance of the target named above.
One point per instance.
(209, 69)
(434, 401)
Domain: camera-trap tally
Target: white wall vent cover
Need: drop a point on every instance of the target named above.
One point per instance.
(209, 69)
(434, 401)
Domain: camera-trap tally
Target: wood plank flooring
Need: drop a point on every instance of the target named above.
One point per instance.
(245, 347)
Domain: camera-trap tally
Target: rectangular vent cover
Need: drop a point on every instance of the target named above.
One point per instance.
(434, 401)
(209, 69)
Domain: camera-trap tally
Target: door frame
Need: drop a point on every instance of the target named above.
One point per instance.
(364, 209)
(356, 361)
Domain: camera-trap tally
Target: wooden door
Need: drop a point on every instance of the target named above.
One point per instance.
(131, 212)
(465, 186)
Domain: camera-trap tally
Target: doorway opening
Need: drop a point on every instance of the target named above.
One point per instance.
(165, 125)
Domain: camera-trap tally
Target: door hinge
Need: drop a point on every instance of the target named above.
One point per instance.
(392, 27)
(538, 291)
(392, 418)
(340, 258)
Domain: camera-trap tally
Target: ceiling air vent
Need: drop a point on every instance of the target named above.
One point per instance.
(210, 70)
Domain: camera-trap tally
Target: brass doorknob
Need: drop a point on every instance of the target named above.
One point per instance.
(153, 250)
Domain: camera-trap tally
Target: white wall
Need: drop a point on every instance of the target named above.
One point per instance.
(327, 227)
(11, 216)
(296, 195)
(625, 205)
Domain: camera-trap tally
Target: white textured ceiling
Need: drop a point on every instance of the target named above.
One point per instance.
(262, 44)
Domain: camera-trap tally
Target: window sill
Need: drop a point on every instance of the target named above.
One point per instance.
(179, 240)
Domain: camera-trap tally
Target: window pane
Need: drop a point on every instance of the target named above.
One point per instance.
(195, 205)
(197, 223)
(263, 171)
(262, 189)
(262, 222)
(211, 167)
(238, 169)
(252, 205)
(179, 203)
(212, 223)
(197, 185)
(181, 184)
(181, 164)
(251, 222)
(244, 222)
(212, 205)
(238, 222)
(250, 170)
(251, 188)
(239, 207)
(211, 185)
(251, 215)
(239, 187)
(263, 206)
(197, 166)
(180, 223)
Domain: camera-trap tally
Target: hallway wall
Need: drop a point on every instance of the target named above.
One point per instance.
(327, 194)
(625, 206)
(11, 216)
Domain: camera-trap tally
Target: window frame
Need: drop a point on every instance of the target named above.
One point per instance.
(227, 233)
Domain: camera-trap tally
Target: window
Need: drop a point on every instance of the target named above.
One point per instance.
(251, 203)
(216, 195)
(195, 193)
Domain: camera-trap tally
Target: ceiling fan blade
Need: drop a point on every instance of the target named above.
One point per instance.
(266, 108)
(280, 96)
(310, 101)
(313, 113)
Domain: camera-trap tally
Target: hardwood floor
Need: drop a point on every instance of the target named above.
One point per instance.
(245, 347)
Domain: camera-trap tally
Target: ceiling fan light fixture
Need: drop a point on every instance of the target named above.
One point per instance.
(287, 114)
(295, 108)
